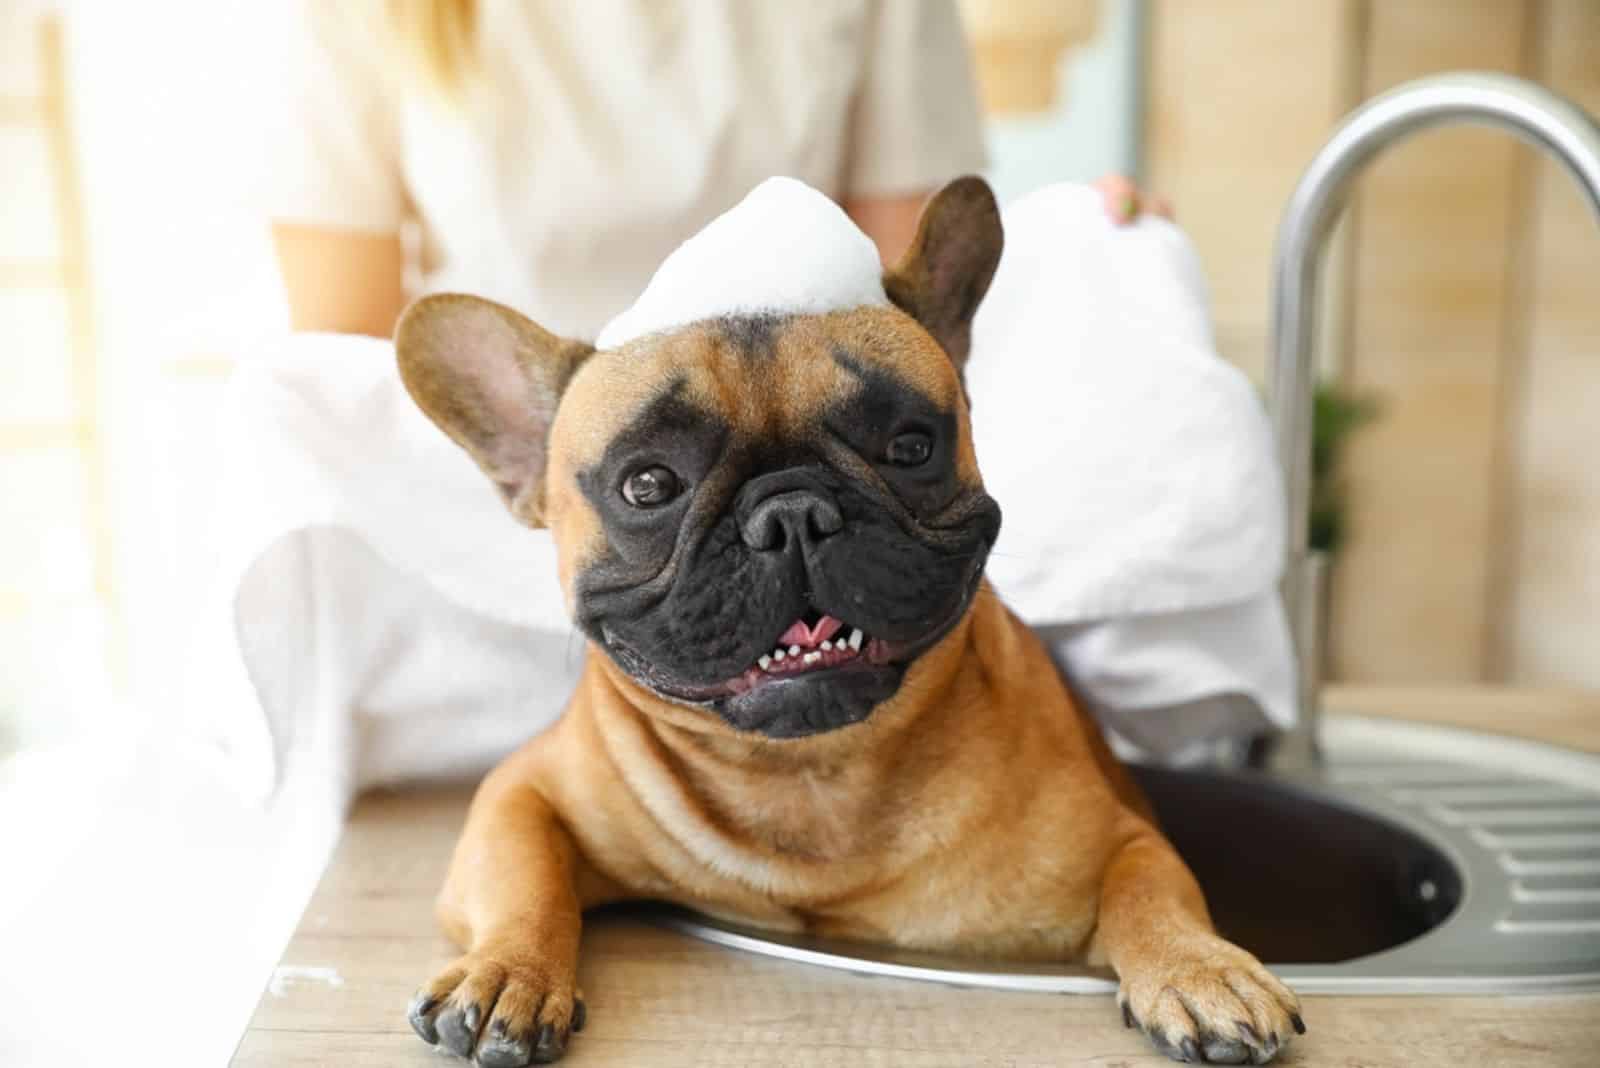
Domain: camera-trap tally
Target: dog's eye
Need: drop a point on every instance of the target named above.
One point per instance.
(910, 449)
(650, 487)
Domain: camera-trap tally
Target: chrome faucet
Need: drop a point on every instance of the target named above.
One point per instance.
(1532, 113)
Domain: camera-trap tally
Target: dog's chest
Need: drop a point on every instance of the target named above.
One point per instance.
(918, 877)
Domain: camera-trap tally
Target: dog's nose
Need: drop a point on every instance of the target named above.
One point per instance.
(778, 509)
(799, 514)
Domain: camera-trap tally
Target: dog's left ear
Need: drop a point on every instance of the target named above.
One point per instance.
(943, 276)
(491, 379)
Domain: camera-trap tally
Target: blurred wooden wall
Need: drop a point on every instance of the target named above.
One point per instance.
(1464, 293)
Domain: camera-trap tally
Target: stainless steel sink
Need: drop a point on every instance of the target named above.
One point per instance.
(1376, 856)
(1418, 859)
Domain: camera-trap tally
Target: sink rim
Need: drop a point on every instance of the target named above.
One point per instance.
(1439, 961)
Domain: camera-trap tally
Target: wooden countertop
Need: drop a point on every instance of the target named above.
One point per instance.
(657, 998)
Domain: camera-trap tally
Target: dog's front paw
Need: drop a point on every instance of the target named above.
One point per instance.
(1204, 1000)
(504, 1009)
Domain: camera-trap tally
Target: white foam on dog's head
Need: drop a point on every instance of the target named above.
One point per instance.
(785, 248)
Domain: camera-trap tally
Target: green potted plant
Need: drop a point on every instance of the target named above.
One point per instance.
(1337, 413)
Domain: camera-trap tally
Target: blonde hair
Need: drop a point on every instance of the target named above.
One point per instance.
(438, 40)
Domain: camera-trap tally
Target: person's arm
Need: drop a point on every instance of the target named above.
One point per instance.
(340, 280)
(891, 221)
(913, 122)
(334, 189)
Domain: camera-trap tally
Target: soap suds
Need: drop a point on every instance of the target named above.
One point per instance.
(785, 248)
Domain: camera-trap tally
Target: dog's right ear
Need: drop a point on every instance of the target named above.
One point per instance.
(491, 379)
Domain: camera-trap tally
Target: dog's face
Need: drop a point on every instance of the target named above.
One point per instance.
(768, 517)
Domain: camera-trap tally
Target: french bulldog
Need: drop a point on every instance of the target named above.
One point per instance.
(802, 706)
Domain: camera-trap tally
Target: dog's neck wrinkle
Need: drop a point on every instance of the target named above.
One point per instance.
(689, 798)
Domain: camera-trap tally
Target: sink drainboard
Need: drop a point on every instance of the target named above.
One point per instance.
(1432, 860)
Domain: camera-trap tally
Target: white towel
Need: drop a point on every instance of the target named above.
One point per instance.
(376, 610)
(1144, 509)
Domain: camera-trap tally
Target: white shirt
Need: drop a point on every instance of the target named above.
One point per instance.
(602, 134)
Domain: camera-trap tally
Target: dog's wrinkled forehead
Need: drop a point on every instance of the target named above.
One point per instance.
(767, 378)
(773, 382)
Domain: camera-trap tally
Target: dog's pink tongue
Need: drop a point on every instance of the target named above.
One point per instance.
(802, 635)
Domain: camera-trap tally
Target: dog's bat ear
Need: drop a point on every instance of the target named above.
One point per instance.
(491, 379)
(943, 276)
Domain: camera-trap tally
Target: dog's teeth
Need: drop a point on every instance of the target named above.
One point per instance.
(765, 662)
(778, 654)
(811, 658)
(794, 650)
(827, 646)
(855, 639)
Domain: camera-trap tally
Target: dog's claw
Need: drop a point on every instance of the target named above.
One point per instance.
(549, 1045)
(420, 1015)
(1219, 1050)
(580, 1014)
(502, 1011)
(1127, 1016)
(454, 1034)
(1212, 1003)
(1299, 1024)
(502, 1052)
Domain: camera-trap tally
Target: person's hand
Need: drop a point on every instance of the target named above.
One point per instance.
(1124, 202)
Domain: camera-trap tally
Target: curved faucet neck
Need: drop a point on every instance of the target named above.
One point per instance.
(1527, 110)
